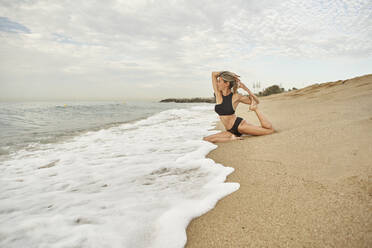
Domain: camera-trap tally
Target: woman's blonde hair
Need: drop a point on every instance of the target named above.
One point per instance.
(231, 78)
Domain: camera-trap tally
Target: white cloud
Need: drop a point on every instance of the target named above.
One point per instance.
(172, 44)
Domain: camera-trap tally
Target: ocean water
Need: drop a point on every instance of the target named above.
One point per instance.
(106, 174)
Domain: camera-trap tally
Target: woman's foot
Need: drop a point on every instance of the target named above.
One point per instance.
(253, 106)
(234, 137)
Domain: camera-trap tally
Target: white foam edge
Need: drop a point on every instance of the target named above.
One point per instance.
(171, 226)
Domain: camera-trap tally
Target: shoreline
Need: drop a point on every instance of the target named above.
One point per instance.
(307, 184)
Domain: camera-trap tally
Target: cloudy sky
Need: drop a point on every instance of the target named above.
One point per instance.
(147, 49)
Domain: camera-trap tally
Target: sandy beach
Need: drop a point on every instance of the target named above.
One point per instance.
(306, 185)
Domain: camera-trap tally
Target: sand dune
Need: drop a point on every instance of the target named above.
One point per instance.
(306, 185)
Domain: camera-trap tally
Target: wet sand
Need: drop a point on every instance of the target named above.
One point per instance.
(309, 184)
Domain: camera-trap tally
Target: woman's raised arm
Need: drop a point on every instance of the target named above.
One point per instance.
(215, 74)
(241, 85)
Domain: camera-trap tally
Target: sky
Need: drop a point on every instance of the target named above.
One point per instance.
(147, 49)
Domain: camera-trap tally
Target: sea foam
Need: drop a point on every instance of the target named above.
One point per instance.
(137, 185)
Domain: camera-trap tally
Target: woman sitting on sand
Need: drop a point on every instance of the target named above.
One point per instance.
(227, 102)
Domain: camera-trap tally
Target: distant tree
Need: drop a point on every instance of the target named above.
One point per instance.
(192, 100)
(274, 89)
(294, 88)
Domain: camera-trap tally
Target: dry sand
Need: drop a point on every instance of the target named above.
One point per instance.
(307, 185)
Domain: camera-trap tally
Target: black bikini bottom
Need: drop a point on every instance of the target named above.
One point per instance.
(234, 129)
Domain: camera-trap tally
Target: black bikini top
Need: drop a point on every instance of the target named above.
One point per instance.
(226, 107)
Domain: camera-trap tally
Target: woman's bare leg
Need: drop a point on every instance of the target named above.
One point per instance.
(263, 120)
(225, 139)
(223, 136)
(266, 126)
(265, 123)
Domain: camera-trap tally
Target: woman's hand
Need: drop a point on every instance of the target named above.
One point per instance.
(216, 73)
(235, 75)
